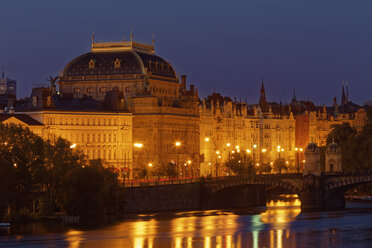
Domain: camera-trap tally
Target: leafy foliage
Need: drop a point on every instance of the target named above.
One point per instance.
(356, 147)
(33, 167)
(280, 165)
(240, 164)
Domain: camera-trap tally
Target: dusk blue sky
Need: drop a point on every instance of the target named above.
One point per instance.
(222, 46)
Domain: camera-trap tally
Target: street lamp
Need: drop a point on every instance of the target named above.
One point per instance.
(138, 145)
(298, 158)
(73, 146)
(148, 170)
(219, 156)
(207, 139)
(178, 144)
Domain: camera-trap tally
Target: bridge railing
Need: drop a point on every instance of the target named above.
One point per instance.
(170, 181)
(157, 182)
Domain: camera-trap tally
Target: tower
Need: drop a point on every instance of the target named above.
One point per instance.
(333, 158)
(343, 96)
(312, 160)
(262, 102)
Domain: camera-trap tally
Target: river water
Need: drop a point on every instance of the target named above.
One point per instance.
(281, 224)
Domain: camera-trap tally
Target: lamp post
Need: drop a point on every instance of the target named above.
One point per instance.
(140, 146)
(263, 151)
(218, 156)
(178, 145)
(148, 170)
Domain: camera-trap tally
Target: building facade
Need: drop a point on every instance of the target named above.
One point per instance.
(122, 103)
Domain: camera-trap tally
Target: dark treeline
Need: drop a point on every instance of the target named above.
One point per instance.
(356, 147)
(51, 173)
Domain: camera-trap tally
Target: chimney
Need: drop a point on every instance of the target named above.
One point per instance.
(192, 89)
(183, 82)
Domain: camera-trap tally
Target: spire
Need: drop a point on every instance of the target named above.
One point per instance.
(294, 95)
(262, 102)
(347, 91)
(3, 72)
(131, 34)
(343, 96)
(153, 39)
(92, 37)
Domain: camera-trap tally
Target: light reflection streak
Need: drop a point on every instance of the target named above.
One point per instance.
(207, 242)
(214, 229)
(74, 238)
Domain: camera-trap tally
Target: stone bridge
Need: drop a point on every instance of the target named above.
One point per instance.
(315, 192)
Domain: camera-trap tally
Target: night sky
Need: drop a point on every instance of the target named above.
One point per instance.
(222, 46)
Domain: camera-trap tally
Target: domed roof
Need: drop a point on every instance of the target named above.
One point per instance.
(118, 63)
(312, 147)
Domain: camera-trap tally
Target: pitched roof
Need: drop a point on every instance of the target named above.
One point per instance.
(22, 117)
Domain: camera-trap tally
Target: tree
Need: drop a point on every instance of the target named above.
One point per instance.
(280, 165)
(240, 164)
(168, 170)
(356, 148)
(264, 168)
(32, 166)
(90, 190)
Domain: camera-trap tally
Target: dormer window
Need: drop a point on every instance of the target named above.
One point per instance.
(117, 64)
(92, 65)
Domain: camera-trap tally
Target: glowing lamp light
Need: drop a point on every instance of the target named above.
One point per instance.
(73, 146)
(282, 150)
(150, 164)
(237, 147)
(296, 149)
(278, 147)
(138, 145)
(248, 151)
(303, 161)
(207, 139)
(271, 163)
(219, 156)
(258, 164)
(254, 146)
(301, 149)
(189, 161)
(15, 165)
(264, 150)
(233, 152)
(217, 152)
(238, 150)
(286, 162)
(178, 143)
(228, 144)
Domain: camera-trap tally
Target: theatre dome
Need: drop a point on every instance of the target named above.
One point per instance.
(119, 58)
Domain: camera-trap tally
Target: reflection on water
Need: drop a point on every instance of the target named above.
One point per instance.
(280, 225)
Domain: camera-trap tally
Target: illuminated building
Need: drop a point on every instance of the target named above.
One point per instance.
(122, 103)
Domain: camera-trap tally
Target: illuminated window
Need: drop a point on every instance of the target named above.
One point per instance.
(90, 90)
(77, 90)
